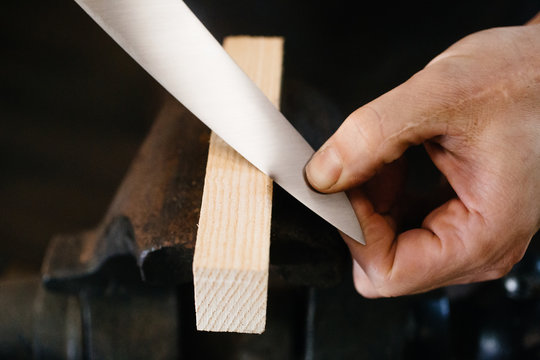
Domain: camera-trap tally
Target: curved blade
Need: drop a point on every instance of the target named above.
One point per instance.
(169, 42)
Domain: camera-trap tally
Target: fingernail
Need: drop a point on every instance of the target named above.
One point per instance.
(324, 168)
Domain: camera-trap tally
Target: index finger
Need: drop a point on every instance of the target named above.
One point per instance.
(448, 249)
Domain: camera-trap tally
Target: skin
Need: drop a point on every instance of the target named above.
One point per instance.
(476, 110)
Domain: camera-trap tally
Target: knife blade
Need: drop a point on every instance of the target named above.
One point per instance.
(175, 48)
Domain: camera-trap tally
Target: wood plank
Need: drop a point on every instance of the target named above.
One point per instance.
(230, 265)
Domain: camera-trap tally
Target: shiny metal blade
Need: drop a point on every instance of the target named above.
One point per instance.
(169, 42)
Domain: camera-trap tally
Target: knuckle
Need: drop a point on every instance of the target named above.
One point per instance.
(514, 257)
(362, 125)
(509, 260)
(502, 268)
(378, 279)
(499, 251)
(389, 292)
(443, 83)
(366, 292)
(384, 285)
(499, 272)
(363, 288)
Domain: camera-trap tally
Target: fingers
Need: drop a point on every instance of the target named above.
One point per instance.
(452, 247)
(379, 132)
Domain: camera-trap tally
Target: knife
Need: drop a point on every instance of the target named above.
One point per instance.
(173, 46)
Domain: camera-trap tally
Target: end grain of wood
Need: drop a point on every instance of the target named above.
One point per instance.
(230, 265)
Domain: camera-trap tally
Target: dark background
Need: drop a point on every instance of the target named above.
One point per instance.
(74, 107)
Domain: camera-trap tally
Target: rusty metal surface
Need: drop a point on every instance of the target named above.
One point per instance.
(154, 213)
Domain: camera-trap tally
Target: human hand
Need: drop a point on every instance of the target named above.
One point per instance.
(476, 109)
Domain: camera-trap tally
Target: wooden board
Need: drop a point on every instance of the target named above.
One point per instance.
(230, 265)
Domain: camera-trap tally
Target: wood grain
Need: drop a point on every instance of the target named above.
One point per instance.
(230, 265)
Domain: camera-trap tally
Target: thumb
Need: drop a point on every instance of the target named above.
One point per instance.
(379, 132)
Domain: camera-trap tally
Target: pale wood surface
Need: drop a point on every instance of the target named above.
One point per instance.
(230, 265)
